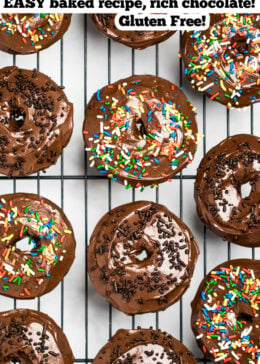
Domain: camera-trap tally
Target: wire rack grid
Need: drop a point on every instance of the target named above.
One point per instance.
(85, 61)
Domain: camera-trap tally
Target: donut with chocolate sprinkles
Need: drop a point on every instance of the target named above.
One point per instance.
(223, 61)
(141, 257)
(225, 313)
(220, 189)
(29, 336)
(145, 346)
(31, 33)
(140, 131)
(134, 39)
(36, 121)
(37, 245)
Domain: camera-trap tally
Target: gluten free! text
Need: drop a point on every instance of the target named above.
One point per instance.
(159, 22)
(115, 6)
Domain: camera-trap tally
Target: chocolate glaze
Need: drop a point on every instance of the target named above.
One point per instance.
(30, 33)
(141, 257)
(225, 312)
(33, 270)
(224, 169)
(147, 138)
(143, 346)
(134, 39)
(32, 337)
(35, 121)
(223, 61)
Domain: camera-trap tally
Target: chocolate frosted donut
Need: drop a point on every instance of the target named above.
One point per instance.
(144, 346)
(221, 204)
(30, 33)
(35, 121)
(225, 312)
(30, 336)
(37, 245)
(140, 131)
(134, 39)
(223, 61)
(141, 257)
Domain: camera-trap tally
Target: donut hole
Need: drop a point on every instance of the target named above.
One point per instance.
(27, 244)
(240, 43)
(140, 127)
(17, 118)
(243, 316)
(17, 358)
(245, 190)
(142, 255)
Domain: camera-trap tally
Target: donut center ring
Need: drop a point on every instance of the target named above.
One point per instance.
(142, 255)
(240, 44)
(141, 251)
(17, 361)
(27, 244)
(17, 118)
(243, 316)
(140, 128)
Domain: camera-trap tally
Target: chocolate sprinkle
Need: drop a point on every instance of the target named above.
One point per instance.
(220, 203)
(33, 132)
(145, 346)
(144, 260)
(21, 340)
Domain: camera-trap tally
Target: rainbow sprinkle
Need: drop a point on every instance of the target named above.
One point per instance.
(228, 321)
(225, 60)
(160, 132)
(23, 25)
(37, 263)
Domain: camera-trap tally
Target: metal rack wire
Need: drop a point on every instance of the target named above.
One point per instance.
(86, 177)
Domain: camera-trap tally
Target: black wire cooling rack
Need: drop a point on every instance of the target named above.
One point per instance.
(88, 176)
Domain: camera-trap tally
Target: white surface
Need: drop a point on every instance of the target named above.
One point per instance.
(97, 73)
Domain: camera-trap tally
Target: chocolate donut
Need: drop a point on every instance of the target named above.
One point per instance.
(225, 312)
(141, 257)
(220, 204)
(134, 39)
(30, 336)
(223, 61)
(30, 33)
(37, 245)
(35, 121)
(140, 130)
(144, 346)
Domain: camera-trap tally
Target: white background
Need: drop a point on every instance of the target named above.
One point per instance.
(89, 61)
